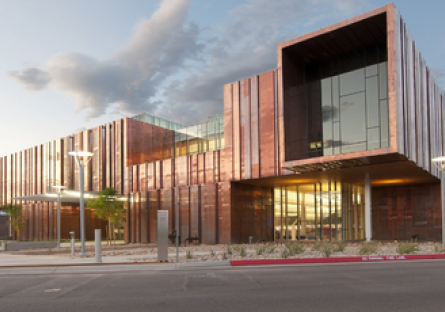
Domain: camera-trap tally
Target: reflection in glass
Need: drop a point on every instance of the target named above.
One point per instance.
(352, 82)
(353, 127)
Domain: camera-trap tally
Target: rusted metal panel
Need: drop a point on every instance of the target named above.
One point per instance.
(228, 110)
(144, 217)
(118, 168)
(107, 162)
(166, 198)
(209, 165)
(267, 124)
(245, 133)
(194, 170)
(236, 132)
(181, 167)
(143, 177)
(201, 168)
(223, 213)
(254, 128)
(159, 175)
(86, 147)
(137, 216)
(167, 172)
(135, 178)
(67, 163)
(184, 213)
(209, 223)
(151, 176)
(153, 207)
(195, 212)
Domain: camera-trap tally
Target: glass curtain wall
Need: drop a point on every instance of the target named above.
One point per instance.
(320, 211)
(190, 140)
(355, 110)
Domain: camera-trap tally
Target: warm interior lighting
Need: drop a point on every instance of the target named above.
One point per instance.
(80, 154)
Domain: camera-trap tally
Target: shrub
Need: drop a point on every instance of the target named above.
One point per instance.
(229, 249)
(189, 254)
(284, 253)
(326, 249)
(406, 248)
(439, 248)
(295, 249)
(211, 253)
(367, 248)
(340, 246)
(317, 247)
(260, 250)
(271, 249)
(242, 251)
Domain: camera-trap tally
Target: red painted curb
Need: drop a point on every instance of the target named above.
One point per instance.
(334, 260)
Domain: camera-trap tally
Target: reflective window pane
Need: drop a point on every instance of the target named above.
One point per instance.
(371, 70)
(383, 80)
(373, 138)
(372, 102)
(353, 125)
(352, 82)
(384, 134)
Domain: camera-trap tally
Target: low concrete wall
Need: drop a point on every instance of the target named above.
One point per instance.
(30, 245)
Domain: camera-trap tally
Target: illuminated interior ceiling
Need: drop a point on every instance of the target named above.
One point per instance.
(382, 174)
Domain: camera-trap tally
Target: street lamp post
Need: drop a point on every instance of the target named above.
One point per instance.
(82, 159)
(439, 162)
(59, 190)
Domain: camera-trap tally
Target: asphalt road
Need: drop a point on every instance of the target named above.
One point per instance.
(402, 286)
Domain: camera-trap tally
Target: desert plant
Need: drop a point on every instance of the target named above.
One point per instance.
(241, 250)
(189, 254)
(271, 249)
(340, 246)
(17, 217)
(259, 250)
(406, 248)
(439, 248)
(295, 249)
(211, 253)
(285, 253)
(326, 249)
(229, 249)
(367, 248)
(317, 246)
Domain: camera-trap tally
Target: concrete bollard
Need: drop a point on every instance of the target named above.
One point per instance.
(250, 240)
(72, 243)
(98, 251)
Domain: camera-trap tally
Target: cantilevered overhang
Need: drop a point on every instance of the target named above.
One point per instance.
(69, 197)
(387, 170)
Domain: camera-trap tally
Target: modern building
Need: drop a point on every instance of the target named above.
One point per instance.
(334, 144)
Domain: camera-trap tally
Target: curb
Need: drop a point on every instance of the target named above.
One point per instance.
(335, 260)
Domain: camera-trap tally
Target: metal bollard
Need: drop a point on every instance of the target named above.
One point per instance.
(72, 243)
(250, 240)
(98, 250)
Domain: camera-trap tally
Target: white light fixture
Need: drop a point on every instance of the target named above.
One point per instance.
(82, 159)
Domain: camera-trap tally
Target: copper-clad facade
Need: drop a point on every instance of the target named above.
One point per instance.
(286, 159)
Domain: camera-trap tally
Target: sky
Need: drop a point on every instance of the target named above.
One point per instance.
(71, 65)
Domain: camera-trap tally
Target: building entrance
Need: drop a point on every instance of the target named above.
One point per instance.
(319, 211)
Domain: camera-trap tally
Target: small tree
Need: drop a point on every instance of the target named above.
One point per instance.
(17, 217)
(110, 208)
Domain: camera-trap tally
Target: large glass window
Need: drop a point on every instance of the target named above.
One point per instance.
(355, 110)
(320, 211)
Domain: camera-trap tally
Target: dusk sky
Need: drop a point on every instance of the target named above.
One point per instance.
(74, 64)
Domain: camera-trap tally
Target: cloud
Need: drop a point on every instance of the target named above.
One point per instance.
(172, 69)
(129, 80)
(31, 78)
(245, 45)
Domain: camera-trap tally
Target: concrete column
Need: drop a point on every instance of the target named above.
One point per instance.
(442, 186)
(368, 208)
(98, 245)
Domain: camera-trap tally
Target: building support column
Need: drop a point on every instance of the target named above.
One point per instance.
(368, 208)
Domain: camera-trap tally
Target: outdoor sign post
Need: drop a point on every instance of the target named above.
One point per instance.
(162, 235)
